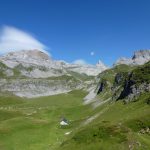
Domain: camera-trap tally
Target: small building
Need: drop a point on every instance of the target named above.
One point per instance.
(64, 122)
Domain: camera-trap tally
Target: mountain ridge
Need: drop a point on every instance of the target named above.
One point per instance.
(108, 111)
(139, 58)
(45, 76)
(36, 57)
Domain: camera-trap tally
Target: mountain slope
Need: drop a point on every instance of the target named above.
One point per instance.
(37, 59)
(117, 122)
(120, 126)
(115, 118)
(34, 124)
(32, 73)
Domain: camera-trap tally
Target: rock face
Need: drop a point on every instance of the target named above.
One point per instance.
(139, 58)
(32, 73)
(135, 91)
(101, 65)
(90, 96)
(37, 59)
(38, 87)
(27, 55)
(101, 87)
(89, 70)
(126, 83)
(137, 82)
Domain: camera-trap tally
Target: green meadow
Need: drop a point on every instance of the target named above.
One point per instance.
(119, 126)
(34, 124)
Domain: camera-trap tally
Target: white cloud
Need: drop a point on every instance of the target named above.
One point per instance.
(13, 39)
(80, 62)
(92, 53)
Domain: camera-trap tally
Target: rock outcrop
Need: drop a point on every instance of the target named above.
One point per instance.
(38, 87)
(37, 59)
(32, 73)
(126, 83)
(139, 58)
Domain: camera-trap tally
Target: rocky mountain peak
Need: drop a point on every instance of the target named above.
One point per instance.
(28, 54)
(141, 53)
(139, 58)
(100, 64)
(36, 59)
(26, 58)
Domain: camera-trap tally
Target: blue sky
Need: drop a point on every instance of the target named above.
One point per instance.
(72, 29)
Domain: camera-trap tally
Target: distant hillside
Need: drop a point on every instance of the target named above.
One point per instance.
(110, 111)
(121, 112)
(32, 73)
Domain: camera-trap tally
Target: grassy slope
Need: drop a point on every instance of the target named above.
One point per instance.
(34, 124)
(108, 77)
(118, 125)
(115, 129)
(141, 74)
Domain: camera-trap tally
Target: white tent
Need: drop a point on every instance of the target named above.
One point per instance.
(63, 123)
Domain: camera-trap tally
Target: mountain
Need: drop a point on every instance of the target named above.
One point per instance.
(109, 111)
(32, 73)
(139, 58)
(120, 116)
(37, 59)
(89, 70)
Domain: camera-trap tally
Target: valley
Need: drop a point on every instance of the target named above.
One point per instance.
(107, 111)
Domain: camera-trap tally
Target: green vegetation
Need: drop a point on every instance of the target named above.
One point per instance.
(82, 76)
(10, 100)
(63, 77)
(117, 128)
(113, 80)
(109, 74)
(141, 74)
(15, 71)
(34, 124)
(21, 67)
(120, 81)
(3, 67)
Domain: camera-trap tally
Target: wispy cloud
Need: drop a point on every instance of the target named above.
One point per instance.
(13, 39)
(80, 62)
(92, 53)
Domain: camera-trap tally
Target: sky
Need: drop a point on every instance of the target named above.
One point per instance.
(82, 31)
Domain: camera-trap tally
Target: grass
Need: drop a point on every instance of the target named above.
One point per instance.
(141, 74)
(109, 75)
(33, 124)
(3, 67)
(118, 125)
(117, 128)
(10, 100)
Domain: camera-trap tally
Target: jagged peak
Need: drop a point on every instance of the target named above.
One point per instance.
(141, 53)
(140, 57)
(101, 64)
(27, 54)
(39, 58)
